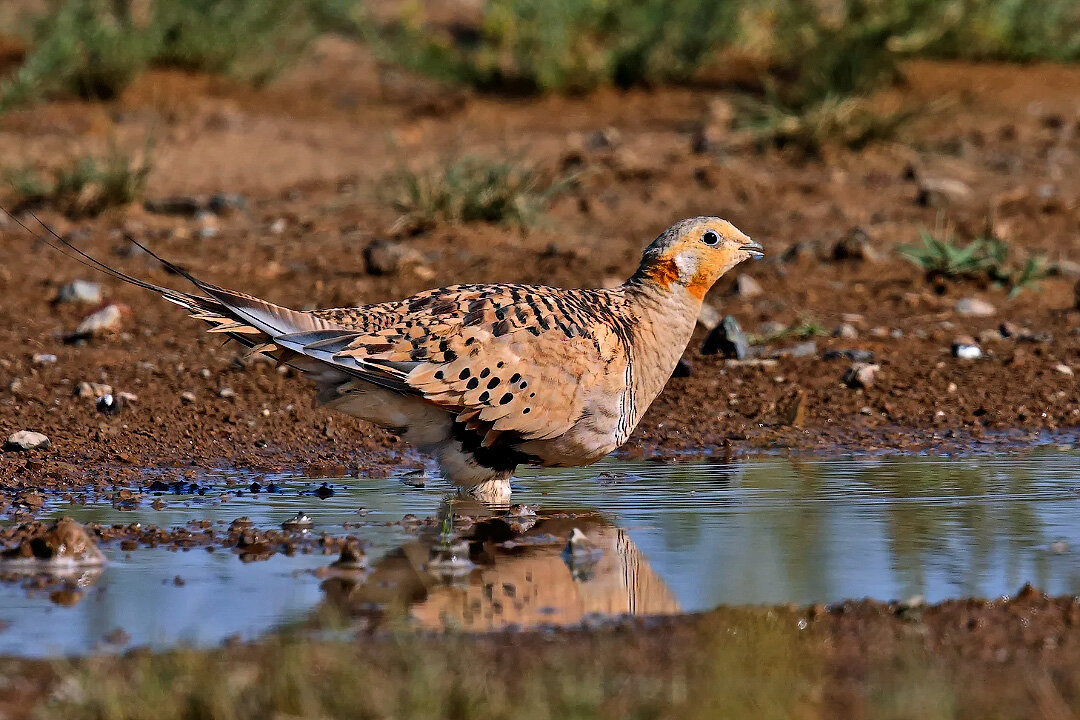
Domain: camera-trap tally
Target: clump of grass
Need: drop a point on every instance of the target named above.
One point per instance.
(474, 190)
(86, 187)
(847, 121)
(83, 49)
(985, 259)
(95, 48)
(564, 45)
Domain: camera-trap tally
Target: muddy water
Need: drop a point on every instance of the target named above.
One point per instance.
(657, 539)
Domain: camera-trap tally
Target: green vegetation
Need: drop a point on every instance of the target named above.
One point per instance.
(985, 259)
(95, 48)
(753, 665)
(565, 45)
(86, 187)
(474, 190)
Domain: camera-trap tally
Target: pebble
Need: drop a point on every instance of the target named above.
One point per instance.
(174, 205)
(1064, 369)
(278, 227)
(708, 317)
(974, 307)
(940, 192)
(386, 257)
(300, 523)
(109, 404)
(226, 392)
(44, 359)
(187, 397)
(25, 440)
(416, 479)
(102, 322)
(846, 331)
(771, 329)
(684, 368)
(89, 390)
(801, 350)
(861, 375)
(225, 203)
(746, 286)
(855, 246)
(728, 339)
(855, 355)
(965, 348)
(79, 291)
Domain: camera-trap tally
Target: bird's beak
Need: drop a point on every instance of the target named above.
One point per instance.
(753, 249)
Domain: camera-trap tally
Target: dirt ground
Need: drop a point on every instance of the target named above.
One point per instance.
(315, 155)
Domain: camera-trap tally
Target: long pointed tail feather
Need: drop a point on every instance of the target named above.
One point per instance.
(248, 320)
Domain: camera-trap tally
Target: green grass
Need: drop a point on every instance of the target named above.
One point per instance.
(985, 259)
(754, 666)
(471, 189)
(86, 187)
(564, 45)
(95, 48)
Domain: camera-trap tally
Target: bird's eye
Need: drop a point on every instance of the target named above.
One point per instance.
(710, 238)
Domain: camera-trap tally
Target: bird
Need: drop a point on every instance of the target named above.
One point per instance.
(488, 377)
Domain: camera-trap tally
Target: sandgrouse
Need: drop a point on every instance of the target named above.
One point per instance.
(488, 377)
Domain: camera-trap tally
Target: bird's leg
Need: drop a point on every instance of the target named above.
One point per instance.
(492, 491)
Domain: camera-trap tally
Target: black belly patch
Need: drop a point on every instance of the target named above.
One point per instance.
(500, 457)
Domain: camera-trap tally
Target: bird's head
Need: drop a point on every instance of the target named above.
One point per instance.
(695, 253)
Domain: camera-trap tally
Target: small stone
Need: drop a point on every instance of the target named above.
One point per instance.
(974, 307)
(861, 375)
(791, 410)
(846, 331)
(708, 317)
(44, 359)
(728, 339)
(226, 393)
(746, 286)
(352, 556)
(25, 440)
(965, 348)
(301, 523)
(324, 491)
(89, 390)
(175, 205)
(683, 369)
(801, 350)
(416, 479)
(187, 397)
(278, 227)
(989, 337)
(226, 203)
(1059, 547)
(109, 404)
(1064, 370)
(105, 321)
(771, 329)
(941, 192)
(855, 355)
(855, 246)
(79, 291)
(385, 257)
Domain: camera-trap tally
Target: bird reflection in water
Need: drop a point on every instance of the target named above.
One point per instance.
(496, 569)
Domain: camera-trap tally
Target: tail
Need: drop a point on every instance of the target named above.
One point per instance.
(248, 320)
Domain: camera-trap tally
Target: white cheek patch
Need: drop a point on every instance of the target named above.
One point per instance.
(687, 264)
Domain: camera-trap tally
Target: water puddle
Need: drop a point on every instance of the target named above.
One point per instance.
(655, 539)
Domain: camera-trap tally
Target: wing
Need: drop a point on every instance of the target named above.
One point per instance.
(503, 358)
